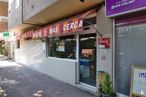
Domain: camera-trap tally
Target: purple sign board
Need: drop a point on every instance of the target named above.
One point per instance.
(117, 7)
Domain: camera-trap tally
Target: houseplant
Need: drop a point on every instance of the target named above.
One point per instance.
(2, 93)
(107, 89)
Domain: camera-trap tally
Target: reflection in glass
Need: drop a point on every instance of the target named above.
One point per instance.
(87, 59)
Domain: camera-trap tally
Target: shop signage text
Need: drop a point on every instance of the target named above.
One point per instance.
(72, 25)
(55, 29)
(117, 7)
(69, 26)
(104, 42)
(5, 34)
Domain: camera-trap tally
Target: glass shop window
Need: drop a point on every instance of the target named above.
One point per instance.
(62, 47)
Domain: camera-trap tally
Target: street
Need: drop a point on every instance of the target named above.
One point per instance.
(20, 81)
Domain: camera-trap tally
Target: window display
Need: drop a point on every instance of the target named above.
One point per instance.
(62, 47)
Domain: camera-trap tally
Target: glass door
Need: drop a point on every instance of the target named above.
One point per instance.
(130, 50)
(87, 59)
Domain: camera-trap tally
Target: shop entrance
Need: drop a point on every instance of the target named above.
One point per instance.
(130, 50)
(87, 59)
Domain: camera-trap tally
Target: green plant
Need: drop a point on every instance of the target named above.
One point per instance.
(1, 50)
(107, 85)
(99, 92)
(2, 93)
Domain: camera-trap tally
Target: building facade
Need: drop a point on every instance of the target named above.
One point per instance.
(66, 39)
(5, 48)
(128, 49)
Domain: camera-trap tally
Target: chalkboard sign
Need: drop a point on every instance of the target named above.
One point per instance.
(138, 81)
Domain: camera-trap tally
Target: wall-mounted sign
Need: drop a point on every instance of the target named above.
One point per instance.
(68, 26)
(117, 7)
(55, 29)
(138, 82)
(104, 42)
(38, 33)
(5, 34)
(45, 31)
(72, 25)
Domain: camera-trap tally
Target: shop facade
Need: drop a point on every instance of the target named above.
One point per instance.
(69, 49)
(128, 38)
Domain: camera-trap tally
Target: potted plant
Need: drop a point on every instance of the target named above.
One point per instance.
(107, 89)
(2, 93)
(99, 92)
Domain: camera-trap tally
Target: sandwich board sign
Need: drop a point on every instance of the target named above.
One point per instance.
(138, 81)
(119, 7)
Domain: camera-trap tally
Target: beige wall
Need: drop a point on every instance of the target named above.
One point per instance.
(105, 26)
(42, 12)
(14, 14)
(3, 15)
(3, 8)
(30, 8)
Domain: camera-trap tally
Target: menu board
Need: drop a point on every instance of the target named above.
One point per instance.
(138, 82)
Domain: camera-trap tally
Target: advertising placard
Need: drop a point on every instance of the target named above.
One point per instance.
(138, 82)
(117, 7)
(104, 42)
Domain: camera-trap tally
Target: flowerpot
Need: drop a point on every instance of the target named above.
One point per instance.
(104, 95)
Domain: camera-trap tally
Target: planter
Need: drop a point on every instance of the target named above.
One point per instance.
(104, 95)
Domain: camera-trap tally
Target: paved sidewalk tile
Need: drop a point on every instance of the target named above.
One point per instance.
(20, 81)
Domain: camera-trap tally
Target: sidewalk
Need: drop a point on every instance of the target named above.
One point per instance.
(20, 81)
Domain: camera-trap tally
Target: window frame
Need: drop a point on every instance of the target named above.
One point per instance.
(63, 38)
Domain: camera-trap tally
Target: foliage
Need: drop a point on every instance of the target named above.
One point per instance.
(107, 85)
(1, 51)
(99, 92)
(2, 93)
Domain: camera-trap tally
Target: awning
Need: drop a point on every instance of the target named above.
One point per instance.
(70, 25)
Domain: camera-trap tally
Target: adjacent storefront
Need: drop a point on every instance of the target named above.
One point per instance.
(130, 34)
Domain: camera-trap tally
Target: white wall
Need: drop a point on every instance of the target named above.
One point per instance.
(33, 54)
(30, 52)
(104, 56)
(62, 69)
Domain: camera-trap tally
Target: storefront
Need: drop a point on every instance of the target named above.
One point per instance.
(80, 45)
(70, 42)
(129, 39)
(69, 50)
